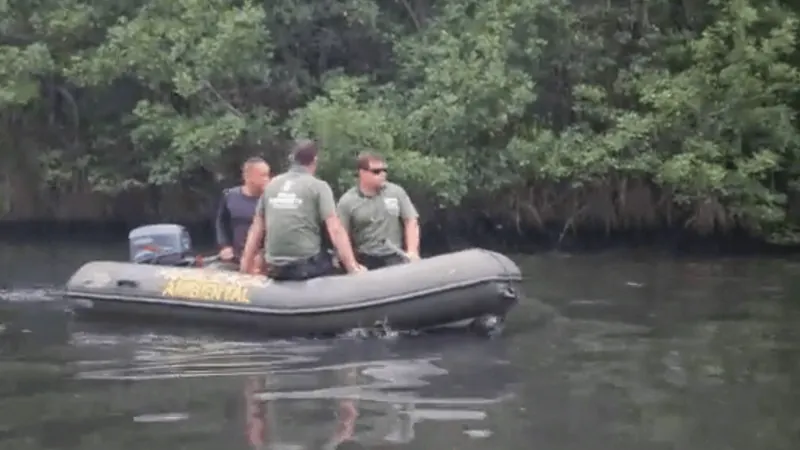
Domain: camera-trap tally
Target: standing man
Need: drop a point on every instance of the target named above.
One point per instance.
(289, 218)
(236, 210)
(379, 216)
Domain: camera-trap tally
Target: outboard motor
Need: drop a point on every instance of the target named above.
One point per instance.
(161, 244)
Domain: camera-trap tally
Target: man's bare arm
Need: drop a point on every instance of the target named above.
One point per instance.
(341, 241)
(258, 229)
(411, 224)
(412, 235)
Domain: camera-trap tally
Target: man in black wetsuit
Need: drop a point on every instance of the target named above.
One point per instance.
(237, 208)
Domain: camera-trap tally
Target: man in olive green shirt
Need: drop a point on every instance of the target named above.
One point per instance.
(379, 216)
(289, 217)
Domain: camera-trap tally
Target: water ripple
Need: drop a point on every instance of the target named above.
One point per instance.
(29, 295)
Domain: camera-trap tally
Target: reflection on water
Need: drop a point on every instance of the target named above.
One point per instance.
(302, 394)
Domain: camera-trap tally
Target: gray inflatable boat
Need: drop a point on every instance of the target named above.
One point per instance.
(473, 288)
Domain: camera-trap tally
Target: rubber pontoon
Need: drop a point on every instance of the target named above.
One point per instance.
(474, 288)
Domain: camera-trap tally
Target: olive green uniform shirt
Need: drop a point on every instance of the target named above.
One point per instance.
(294, 205)
(372, 220)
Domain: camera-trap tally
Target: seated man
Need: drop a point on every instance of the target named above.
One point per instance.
(379, 216)
(236, 210)
(289, 217)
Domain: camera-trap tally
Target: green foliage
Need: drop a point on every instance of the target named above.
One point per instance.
(345, 127)
(575, 108)
(19, 68)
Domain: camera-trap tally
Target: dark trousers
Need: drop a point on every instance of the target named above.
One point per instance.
(373, 262)
(316, 266)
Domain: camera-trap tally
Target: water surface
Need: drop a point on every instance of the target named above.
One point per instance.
(645, 352)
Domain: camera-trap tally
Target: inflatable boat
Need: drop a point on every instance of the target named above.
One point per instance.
(473, 288)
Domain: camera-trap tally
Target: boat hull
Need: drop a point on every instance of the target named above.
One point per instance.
(455, 288)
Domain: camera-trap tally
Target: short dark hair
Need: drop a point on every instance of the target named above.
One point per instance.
(365, 158)
(253, 160)
(304, 152)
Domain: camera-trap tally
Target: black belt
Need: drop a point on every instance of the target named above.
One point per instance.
(311, 267)
(372, 262)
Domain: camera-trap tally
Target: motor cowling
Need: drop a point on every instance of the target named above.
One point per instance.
(160, 244)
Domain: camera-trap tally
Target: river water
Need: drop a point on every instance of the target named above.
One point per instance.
(639, 351)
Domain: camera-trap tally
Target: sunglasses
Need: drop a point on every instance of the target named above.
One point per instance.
(379, 171)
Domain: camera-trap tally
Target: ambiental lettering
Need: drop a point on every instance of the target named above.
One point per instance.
(206, 291)
(202, 285)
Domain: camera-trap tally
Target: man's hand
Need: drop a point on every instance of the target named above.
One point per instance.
(226, 254)
(259, 265)
(412, 256)
(358, 268)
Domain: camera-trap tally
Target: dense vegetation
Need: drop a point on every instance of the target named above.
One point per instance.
(568, 115)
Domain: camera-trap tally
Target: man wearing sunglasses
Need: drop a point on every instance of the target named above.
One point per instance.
(379, 216)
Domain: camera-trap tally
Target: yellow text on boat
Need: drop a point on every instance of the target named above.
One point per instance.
(207, 285)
